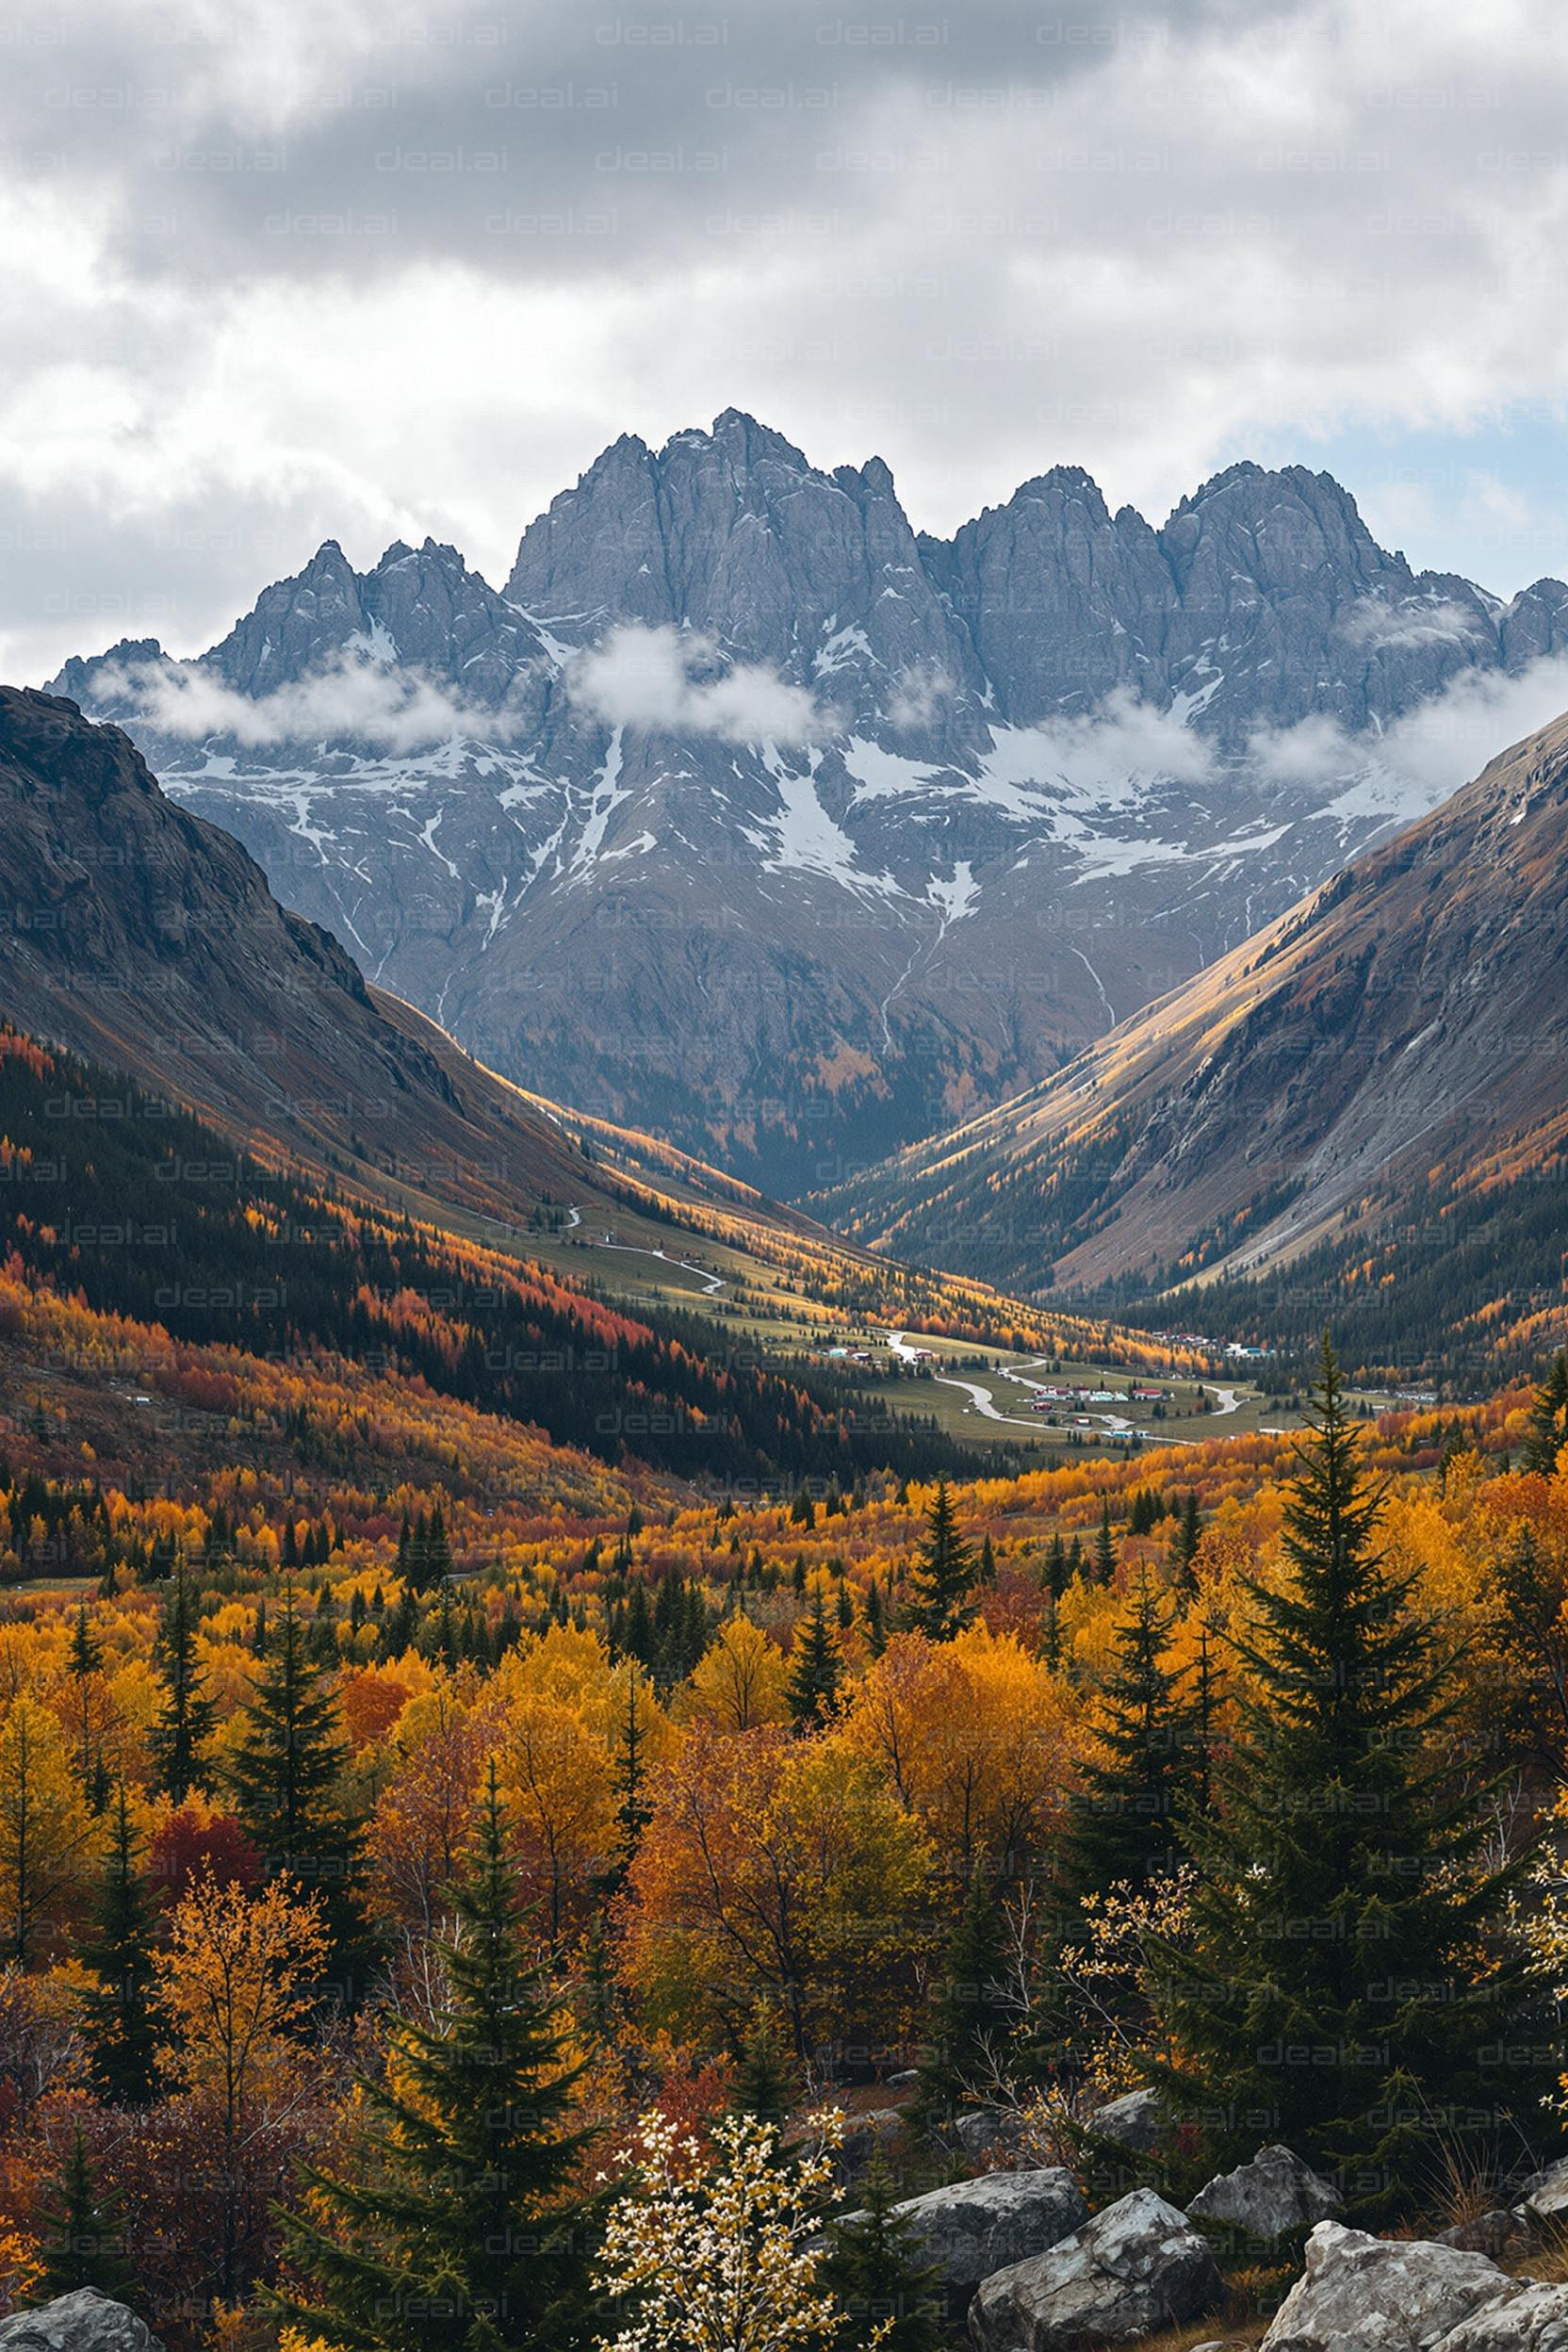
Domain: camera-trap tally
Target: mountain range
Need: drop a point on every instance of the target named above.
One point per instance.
(748, 815)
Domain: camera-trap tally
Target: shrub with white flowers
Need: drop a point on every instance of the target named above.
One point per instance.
(722, 2256)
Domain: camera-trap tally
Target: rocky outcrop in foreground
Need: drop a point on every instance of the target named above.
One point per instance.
(977, 2228)
(1362, 2293)
(1138, 2266)
(83, 2322)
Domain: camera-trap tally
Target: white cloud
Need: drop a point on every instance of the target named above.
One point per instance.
(1312, 752)
(1433, 748)
(918, 697)
(1379, 627)
(1446, 740)
(1121, 742)
(674, 682)
(353, 699)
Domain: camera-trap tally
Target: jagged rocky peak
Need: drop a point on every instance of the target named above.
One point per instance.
(735, 534)
(1062, 601)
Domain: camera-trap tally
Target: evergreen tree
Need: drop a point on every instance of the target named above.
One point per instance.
(118, 1951)
(86, 1653)
(400, 1628)
(876, 1619)
(941, 1592)
(1350, 1984)
(972, 2018)
(188, 1716)
(600, 2006)
(764, 2084)
(875, 2271)
(82, 2235)
(1105, 1546)
(816, 1669)
(285, 1777)
(1547, 1431)
(455, 2227)
(1185, 1540)
(633, 1811)
(1124, 1821)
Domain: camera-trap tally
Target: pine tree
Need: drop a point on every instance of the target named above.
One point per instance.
(1124, 1827)
(81, 2234)
(400, 1628)
(764, 2086)
(875, 2271)
(633, 1811)
(455, 2227)
(941, 1593)
(86, 1653)
(188, 1716)
(284, 1776)
(1350, 1973)
(600, 2006)
(1547, 1431)
(973, 2015)
(118, 2010)
(1105, 1546)
(1186, 1538)
(815, 1670)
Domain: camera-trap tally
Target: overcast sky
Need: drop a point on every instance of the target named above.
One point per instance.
(276, 271)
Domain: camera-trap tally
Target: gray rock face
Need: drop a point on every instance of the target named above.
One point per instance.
(987, 2133)
(1546, 2196)
(1273, 2196)
(1362, 2293)
(1135, 2121)
(83, 2322)
(654, 905)
(1138, 2266)
(977, 2226)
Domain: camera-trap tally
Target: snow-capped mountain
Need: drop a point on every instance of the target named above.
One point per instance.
(747, 814)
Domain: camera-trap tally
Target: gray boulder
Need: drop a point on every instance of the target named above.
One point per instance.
(1496, 2233)
(85, 2321)
(1362, 2293)
(1546, 2196)
(1273, 2196)
(988, 2135)
(1138, 2266)
(865, 2135)
(1135, 2121)
(1524, 2318)
(977, 2226)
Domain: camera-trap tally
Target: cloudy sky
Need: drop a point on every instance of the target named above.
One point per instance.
(281, 270)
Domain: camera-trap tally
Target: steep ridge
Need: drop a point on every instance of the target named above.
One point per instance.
(749, 816)
(1400, 1035)
(147, 941)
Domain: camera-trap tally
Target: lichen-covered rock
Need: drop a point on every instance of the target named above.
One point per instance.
(977, 2226)
(1524, 2318)
(85, 2321)
(1273, 2196)
(1138, 2266)
(1362, 2293)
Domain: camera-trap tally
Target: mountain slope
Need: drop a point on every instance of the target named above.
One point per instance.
(1400, 1036)
(749, 816)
